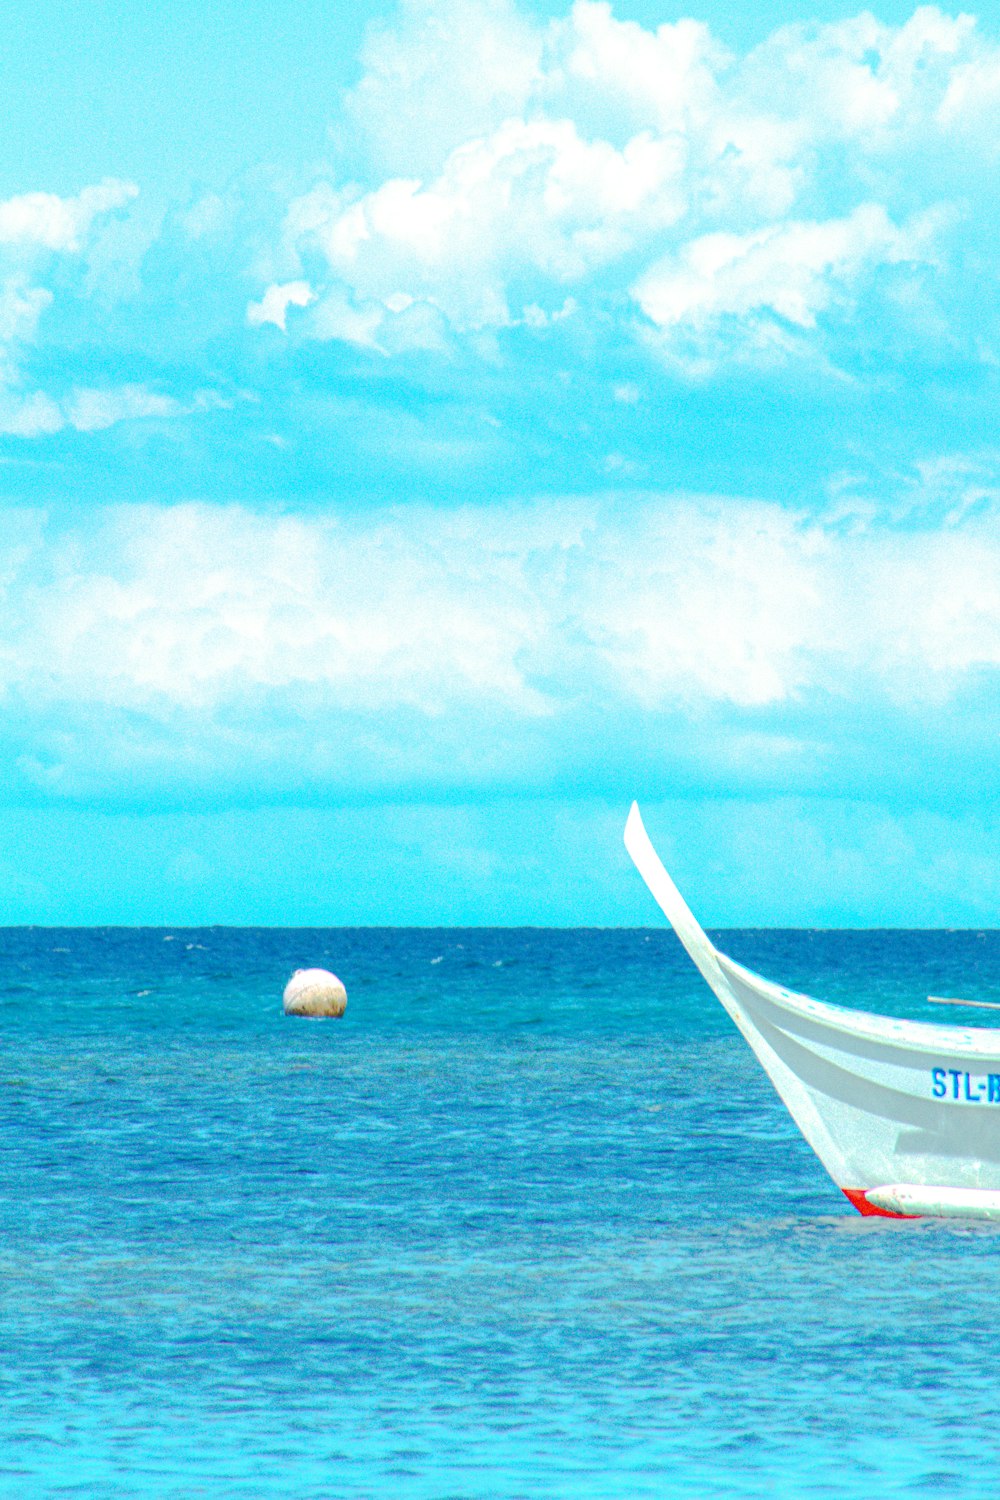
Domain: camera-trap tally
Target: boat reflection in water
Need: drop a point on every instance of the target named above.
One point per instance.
(904, 1115)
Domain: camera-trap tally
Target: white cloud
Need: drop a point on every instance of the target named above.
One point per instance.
(52, 223)
(34, 222)
(615, 78)
(791, 271)
(34, 415)
(198, 609)
(91, 409)
(934, 603)
(273, 306)
(971, 104)
(358, 321)
(596, 155)
(202, 646)
(422, 94)
(88, 409)
(675, 601)
(705, 602)
(858, 80)
(21, 306)
(532, 198)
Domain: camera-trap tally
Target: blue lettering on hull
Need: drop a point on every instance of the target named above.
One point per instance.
(970, 1088)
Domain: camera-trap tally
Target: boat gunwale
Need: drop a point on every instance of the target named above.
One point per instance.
(922, 1036)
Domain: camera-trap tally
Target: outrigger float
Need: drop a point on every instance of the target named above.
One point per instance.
(904, 1115)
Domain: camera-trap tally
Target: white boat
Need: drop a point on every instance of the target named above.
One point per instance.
(904, 1115)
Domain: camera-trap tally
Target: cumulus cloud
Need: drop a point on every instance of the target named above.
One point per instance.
(790, 270)
(36, 228)
(30, 416)
(164, 647)
(860, 81)
(418, 97)
(971, 101)
(91, 410)
(737, 287)
(85, 409)
(651, 172)
(273, 306)
(46, 221)
(533, 197)
(21, 306)
(30, 224)
(593, 190)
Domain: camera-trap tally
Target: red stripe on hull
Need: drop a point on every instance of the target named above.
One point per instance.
(856, 1196)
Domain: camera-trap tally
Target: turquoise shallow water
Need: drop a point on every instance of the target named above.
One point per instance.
(529, 1221)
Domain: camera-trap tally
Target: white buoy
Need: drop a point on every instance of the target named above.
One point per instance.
(314, 992)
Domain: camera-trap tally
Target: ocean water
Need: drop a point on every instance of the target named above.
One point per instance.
(528, 1222)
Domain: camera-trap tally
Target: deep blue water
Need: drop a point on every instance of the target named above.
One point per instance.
(527, 1222)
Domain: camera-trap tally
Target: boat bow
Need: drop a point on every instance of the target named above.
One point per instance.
(902, 1114)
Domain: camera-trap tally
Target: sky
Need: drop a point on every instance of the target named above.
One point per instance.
(424, 429)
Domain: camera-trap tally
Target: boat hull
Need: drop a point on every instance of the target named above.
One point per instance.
(902, 1114)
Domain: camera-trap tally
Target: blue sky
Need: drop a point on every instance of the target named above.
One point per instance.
(424, 429)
